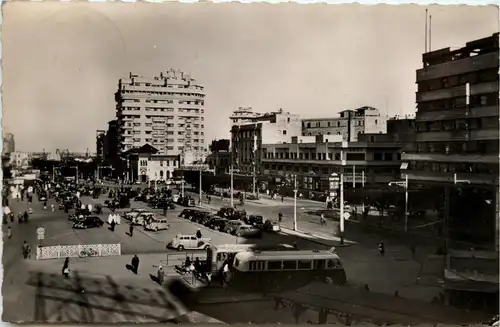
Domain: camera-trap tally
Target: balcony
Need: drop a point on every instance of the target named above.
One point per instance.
(458, 113)
(484, 134)
(442, 136)
(471, 64)
(453, 92)
(451, 158)
(394, 163)
(475, 179)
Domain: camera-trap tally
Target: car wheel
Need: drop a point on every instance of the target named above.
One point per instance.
(238, 234)
(156, 229)
(206, 247)
(180, 248)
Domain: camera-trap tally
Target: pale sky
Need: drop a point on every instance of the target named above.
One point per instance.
(62, 61)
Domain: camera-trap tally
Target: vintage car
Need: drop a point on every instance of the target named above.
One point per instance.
(88, 222)
(248, 231)
(189, 242)
(133, 213)
(157, 224)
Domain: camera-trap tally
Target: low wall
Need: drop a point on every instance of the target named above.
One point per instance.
(78, 251)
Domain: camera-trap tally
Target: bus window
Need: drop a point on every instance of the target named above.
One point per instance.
(236, 263)
(304, 264)
(319, 264)
(256, 265)
(290, 265)
(332, 264)
(274, 265)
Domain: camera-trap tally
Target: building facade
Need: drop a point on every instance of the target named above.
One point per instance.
(270, 128)
(243, 115)
(375, 159)
(350, 124)
(166, 111)
(145, 164)
(100, 139)
(9, 145)
(457, 148)
(219, 157)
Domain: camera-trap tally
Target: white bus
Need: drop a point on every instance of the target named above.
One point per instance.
(270, 271)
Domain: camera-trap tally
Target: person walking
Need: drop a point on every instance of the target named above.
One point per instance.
(131, 230)
(52, 207)
(135, 264)
(160, 275)
(198, 233)
(113, 225)
(381, 248)
(9, 232)
(65, 268)
(25, 250)
(322, 219)
(45, 205)
(280, 217)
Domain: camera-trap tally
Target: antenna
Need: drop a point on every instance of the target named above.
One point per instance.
(430, 32)
(426, 17)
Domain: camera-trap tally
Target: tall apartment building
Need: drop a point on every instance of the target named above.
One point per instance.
(100, 139)
(270, 128)
(9, 144)
(349, 124)
(165, 111)
(457, 132)
(243, 115)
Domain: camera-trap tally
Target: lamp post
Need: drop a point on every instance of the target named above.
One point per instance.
(404, 184)
(342, 218)
(232, 185)
(295, 190)
(201, 178)
(76, 177)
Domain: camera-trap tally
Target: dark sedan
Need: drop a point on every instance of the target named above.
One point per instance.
(186, 213)
(217, 223)
(89, 222)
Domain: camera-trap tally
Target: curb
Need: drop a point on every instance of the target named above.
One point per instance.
(324, 243)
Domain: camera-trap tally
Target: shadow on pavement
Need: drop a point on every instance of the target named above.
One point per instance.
(99, 300)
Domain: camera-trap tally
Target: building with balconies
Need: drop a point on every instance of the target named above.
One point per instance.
(350, 124)
(375, 159)
(270, 128)
(457, 149)
(244, 115)
(166, 111)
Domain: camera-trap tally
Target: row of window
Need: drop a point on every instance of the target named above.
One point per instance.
(377, 156)
(469, 147)
(326, 170)
(292, 265)
(161, 148)
(457, 80)
(180, 125)
(144, 163)
(457, 124)
(466, 168)
(177, 94)
(475, 101)
(337, 123)
(174, 86)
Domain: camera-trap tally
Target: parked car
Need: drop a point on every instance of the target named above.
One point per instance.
(157, 224)
(88, 222)
(239, 215)
(186, 201)
(217, 223)
(232, 226)
(251, 197)
(225, 212)
(247, 231)
(141, 218)
(133, 213)
(186, 213)
(189, 242)
(271, 226)
(199, 216)
(255, 220)
(206, 219)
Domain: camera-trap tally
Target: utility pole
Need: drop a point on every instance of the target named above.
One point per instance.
(342, 222)
(200, 185)
(406, 202)
(295, 190)
(232, 185)
(253, 182)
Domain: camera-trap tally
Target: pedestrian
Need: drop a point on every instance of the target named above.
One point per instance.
(52, 207)
(322, 219)
(160, 275)
(25, 250)
(381, 248)
(113, 225)
(282, 198)
(65, 268)
(413, 248)
(280, 217)
(131, 230)
(30, 211)
(45, 205)
(198, 233)
(135, 264)
(9, 232)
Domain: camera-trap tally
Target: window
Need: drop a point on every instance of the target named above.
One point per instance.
(274, 265)
(377, 156)
(284, 132)
(289, 265)
(335, 263)
(304, 264)
(161, 163)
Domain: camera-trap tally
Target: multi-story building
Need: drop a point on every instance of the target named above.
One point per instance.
(145, 164)
(270, 128)
(243, 115)
(100, 139)
(111, 142)
(219, 157)
(457, 148)
(373, 159)
(350, 124)
(9, 144)
(402, 129)
(166, 112)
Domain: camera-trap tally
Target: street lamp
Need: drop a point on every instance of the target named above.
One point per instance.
(201, 179)
(295, 190)
(342, 218)
(232, 185)
(76, 177)
(405, 185)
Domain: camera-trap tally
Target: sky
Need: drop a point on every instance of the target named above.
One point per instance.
(62, 61)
